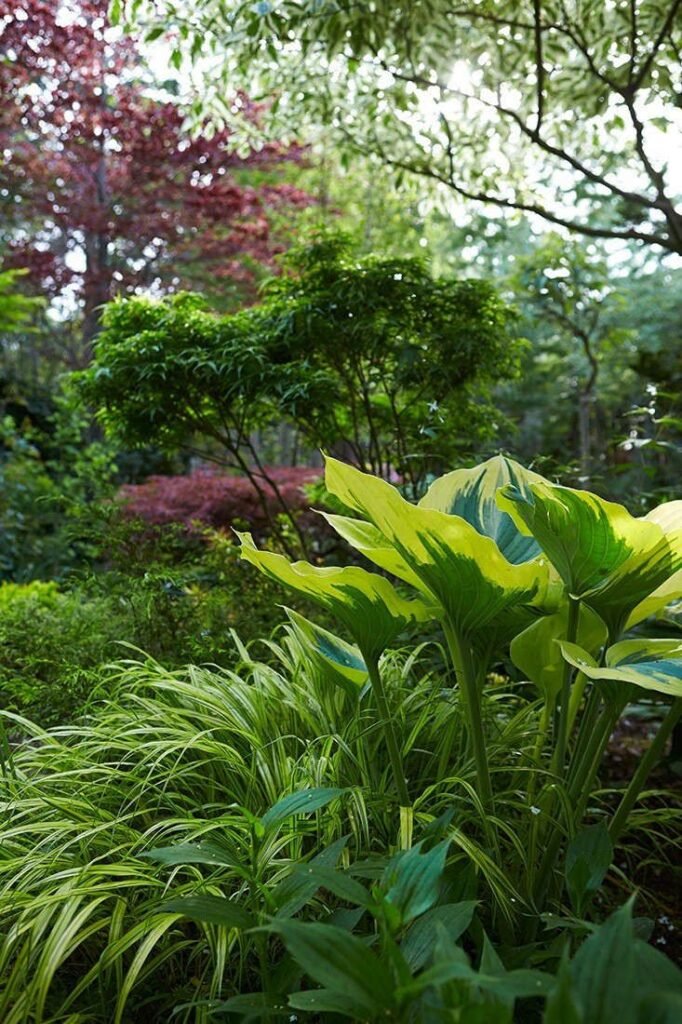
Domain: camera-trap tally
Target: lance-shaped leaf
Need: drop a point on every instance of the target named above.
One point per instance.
(605, 556)
(536, 652)
(368, 605)
(335, 659)
(470, 494)
(651, 664)
(464, 570)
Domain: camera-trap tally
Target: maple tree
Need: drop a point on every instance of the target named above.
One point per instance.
(102, 190)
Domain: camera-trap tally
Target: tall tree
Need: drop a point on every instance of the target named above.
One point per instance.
(560, 108)
(102, 189)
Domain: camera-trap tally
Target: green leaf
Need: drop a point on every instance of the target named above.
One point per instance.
(253, 1005)
(603, 972)
(298, 888)
(115, 12)
(665, 1008)
(413, 879)
(336, 660)
(561, 1006)
(304, 801)
(510, 986)
(210, 910)
(367, 604)
(650, 664)
(588, 858)
(337, 882)
(339, 961)
(605, 556)
(327, 1000)
(470, 494)
(463, 570)
(188, 853)
(537, 654)
(419, 943)
(664, 595)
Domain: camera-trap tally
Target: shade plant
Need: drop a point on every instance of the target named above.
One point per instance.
(510, 564)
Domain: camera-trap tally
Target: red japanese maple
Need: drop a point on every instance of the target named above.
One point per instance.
(102, 189)
(219, 499)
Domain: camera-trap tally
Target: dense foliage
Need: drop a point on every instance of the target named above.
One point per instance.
(562, 110)
(405, 886)
(207, 498)
(371, 357)
(102, 190)
(441, 783)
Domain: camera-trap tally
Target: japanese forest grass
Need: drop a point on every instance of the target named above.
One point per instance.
(191, 756)
(172, 791)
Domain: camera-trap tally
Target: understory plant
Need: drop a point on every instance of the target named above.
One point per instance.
(353, 835)
(510, 564)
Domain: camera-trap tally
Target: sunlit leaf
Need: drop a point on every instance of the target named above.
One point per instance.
(664, 595)
(651, 664)
(470, 494)
(539, 657)
(464, 570)
(367, 604)
(605, 556)
(338, 661)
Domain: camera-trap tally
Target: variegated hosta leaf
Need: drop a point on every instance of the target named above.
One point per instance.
(369, 606)
(470, 494)
(651, 664)
(371, 543)
(670, 591)
(537, 654)
(335, 659)
(464, 570)
(605, 556)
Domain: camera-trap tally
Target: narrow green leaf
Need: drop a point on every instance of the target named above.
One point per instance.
(413, 880)
(337, 882)
(302, 802)
(604, 974)
(339, 961)
(210, 910)
(297, 889)
(561, 1006)
(188, 853)
(419, 943)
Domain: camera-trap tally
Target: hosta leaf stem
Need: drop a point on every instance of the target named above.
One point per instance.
(647, 762)
(390, 736)
(564, 710)
(467, 677)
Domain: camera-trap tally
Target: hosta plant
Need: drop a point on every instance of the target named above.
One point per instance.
(513, 566)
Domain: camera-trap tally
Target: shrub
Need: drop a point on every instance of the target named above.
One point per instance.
(177, 602)
(208, 498)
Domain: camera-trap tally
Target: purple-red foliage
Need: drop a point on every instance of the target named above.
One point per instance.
(217, 499)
